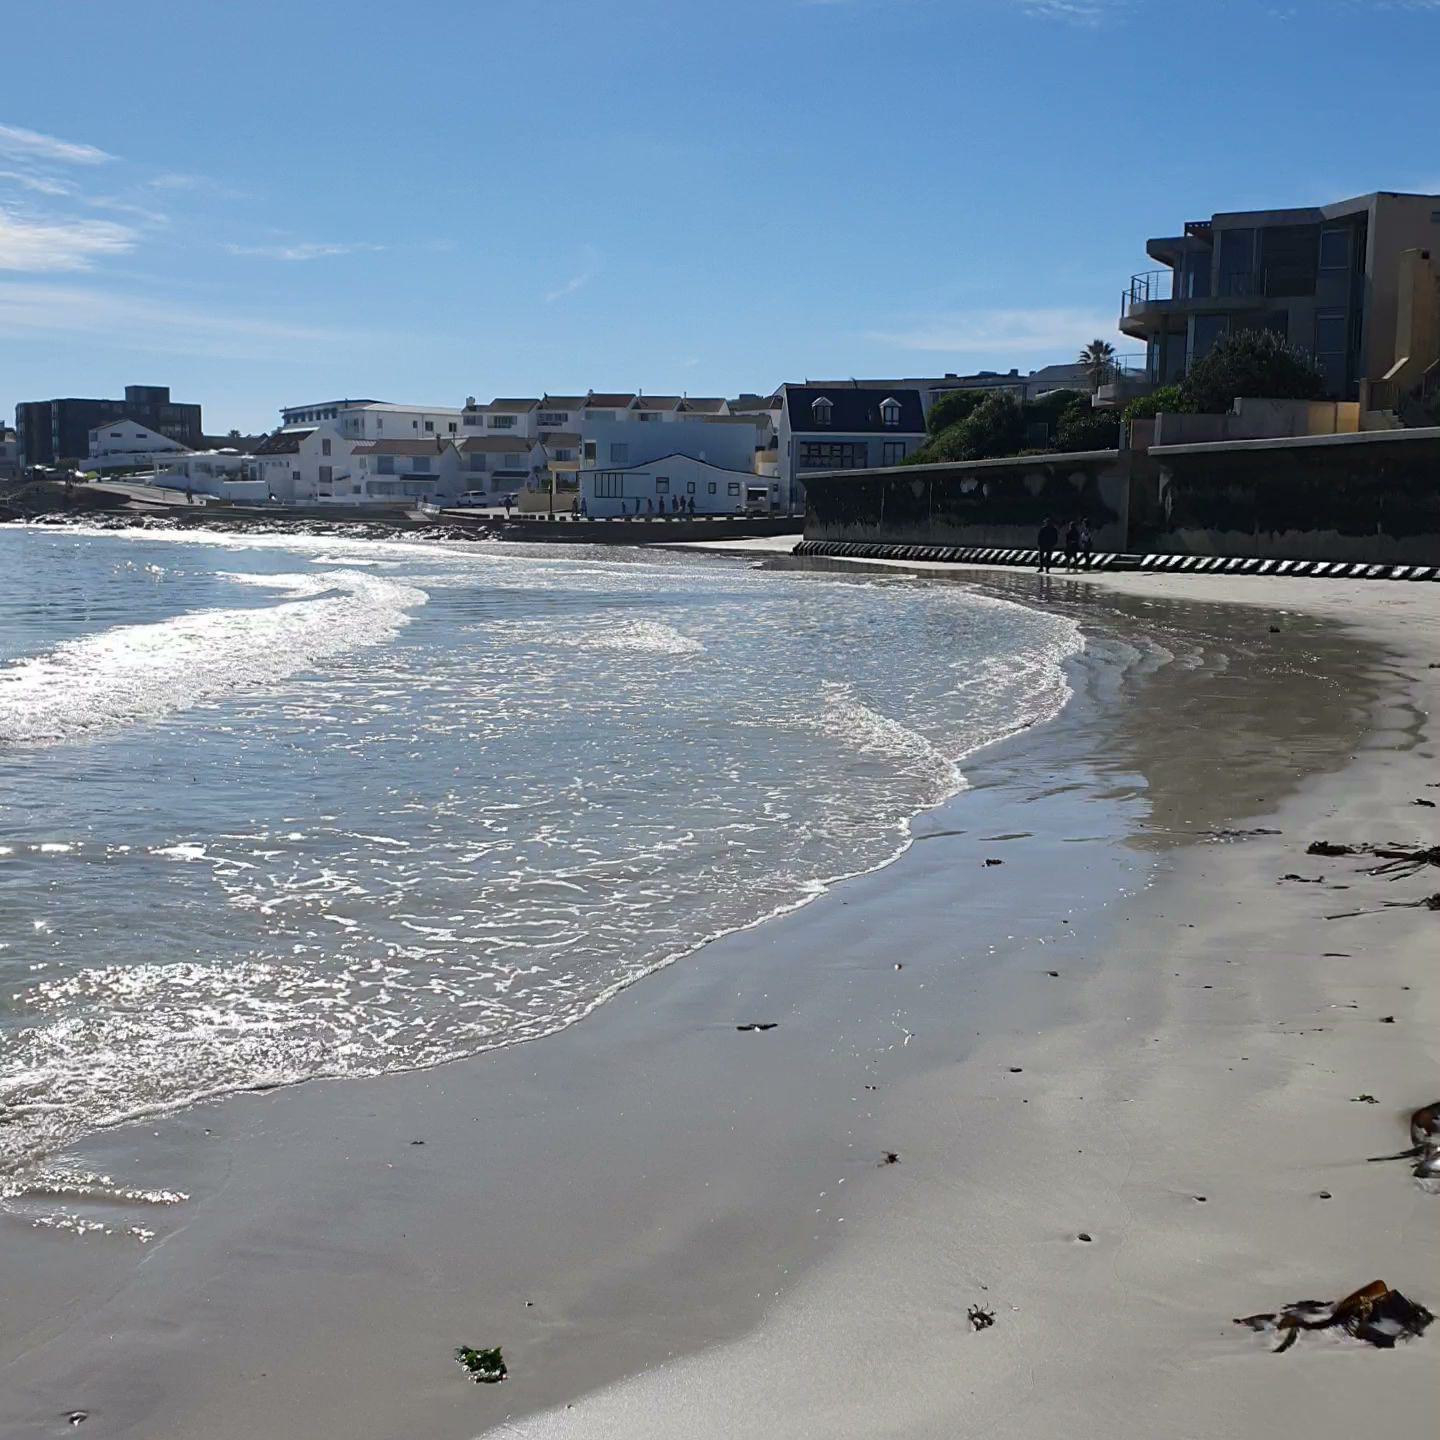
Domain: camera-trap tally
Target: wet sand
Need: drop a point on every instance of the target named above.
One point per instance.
(675, 1226)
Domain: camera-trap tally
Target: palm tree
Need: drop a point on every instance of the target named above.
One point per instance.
(1096, 359)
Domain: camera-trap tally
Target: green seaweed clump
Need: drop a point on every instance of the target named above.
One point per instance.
(485, 1367)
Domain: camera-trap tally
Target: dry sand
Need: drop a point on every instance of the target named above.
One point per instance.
(677, 1228)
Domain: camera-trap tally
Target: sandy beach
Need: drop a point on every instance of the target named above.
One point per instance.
(1131, 1029)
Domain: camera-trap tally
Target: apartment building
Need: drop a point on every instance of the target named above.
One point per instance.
(50, 432)
(1347, 281)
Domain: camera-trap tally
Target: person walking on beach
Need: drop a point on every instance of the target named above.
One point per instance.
(1087, 545)
(1072, 545)
(189, 494)
(1045, 544)
(584, 509)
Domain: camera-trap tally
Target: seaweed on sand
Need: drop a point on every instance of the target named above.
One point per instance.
(485, 1367)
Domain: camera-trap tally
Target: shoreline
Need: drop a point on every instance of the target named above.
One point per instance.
(666, 1052)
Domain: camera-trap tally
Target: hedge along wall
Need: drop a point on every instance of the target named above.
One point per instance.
(1378, 501)
(977, 502)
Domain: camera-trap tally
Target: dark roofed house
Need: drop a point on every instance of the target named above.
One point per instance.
(845, 427)
(283, 442)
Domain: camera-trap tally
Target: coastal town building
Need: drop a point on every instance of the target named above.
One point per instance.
(670, 485)
(53, 432)
(1354, 283)
(126, 444)
(500, 464)
(843, 427)
(9, 454)
(382, 471)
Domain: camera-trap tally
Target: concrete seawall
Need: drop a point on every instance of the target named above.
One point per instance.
(1372, 497)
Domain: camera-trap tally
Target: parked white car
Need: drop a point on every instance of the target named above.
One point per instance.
(474, 497)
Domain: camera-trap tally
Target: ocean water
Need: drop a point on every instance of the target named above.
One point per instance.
(275, 808)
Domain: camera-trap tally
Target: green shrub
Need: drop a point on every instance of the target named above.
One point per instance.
(1084, 428)
(952, 407)
(1167, 399)
(1256, 364)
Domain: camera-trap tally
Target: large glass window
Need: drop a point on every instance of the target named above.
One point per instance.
(1205, 331)
(834, 455)
(1237, 262)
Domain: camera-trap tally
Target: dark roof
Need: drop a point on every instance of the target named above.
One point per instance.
(562, 402)
(703, 404)
(510, 407)
(596, 401)
(682, 455)
(854, 411)
(282, 442)
(246, 443)
(657, 402)
(399, 447)
(507, 443)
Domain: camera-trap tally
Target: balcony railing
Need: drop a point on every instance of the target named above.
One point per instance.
(1152, 287)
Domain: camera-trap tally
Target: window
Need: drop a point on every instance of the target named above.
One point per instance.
(689, 487)
(514, 460)
(1332, 333)
(562, 454)
(475, 419)
(502, 422)
(710, 489)
(609, 485)
(890, 413)
(324, 447)
(662, 484)
(451, 427)
(477, 462)
(1334, 249)
(552, 417)
(600, 414)
(429, 427)
(619, 452)
(590, 450)
(384, 464)
(414, 424)
(733, 488)
(643, 415)
(327, 474)
(894, 452)
(820, 411)
(379, 424)
(834, 455)
(420, 465)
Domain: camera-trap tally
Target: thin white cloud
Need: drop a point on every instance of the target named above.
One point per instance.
(40, 184)
(32, 145)
(130, 322)
(589, 269)
(38, 246)
(303, 250)
(1039, 331)
(198, 184)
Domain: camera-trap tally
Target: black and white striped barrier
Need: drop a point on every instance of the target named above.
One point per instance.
(1186, 564)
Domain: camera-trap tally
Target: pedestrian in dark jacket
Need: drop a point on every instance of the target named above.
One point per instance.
(1045, 543)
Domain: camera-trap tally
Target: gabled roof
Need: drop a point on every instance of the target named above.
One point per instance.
(561, 440)
(703, 404)
(494, 444)
(562, 402)
(655, 402)
(399, 447)
(283, 442)
(522, 406)
(854, 411)
(597, 401)
(681, 455)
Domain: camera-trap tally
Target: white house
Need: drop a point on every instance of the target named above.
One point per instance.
(377, 419)
(500, 463)
(515, 418)
(128, 445)
(401, 470)
(843, 427)
(670, 484)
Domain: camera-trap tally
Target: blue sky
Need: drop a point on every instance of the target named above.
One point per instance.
(274, 203)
